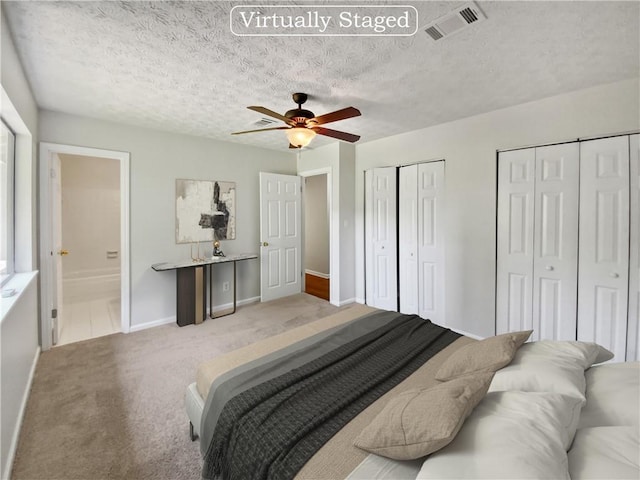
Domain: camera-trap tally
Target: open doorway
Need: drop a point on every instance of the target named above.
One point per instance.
(316, 237)
(84, 225)
(89, 277)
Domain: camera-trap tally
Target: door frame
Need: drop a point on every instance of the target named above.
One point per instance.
(47, 150)
(334, 243)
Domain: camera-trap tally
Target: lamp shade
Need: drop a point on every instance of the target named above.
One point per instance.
(300, 136)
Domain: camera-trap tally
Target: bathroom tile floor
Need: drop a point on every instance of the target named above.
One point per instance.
(90, 319)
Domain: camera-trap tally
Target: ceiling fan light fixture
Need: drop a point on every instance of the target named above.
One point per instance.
(300, 136)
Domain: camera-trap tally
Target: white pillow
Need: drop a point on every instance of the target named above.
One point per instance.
(613, 393)
(549, 366)
(510, 435)
(605, 452)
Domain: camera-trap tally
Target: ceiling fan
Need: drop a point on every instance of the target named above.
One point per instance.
(303, 125)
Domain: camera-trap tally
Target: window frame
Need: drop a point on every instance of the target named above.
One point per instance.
(9, 223)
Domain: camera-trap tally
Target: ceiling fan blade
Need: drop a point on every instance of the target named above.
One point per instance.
(261, 130)
(271, 113)
(343, 114)
(347, 137)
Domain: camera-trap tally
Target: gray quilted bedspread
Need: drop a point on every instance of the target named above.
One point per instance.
(270, 430)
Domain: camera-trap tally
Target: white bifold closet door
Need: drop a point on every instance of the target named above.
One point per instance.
(421, 240)
(604, 243)
(381, 238)
(568, 264)
(537, 241)
(633, 328)
(408, 239)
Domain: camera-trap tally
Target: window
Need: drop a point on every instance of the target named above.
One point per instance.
(7, 163)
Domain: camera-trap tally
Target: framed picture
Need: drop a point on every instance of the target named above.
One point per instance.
(205, 210)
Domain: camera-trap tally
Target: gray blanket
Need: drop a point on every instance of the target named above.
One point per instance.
(271, 429)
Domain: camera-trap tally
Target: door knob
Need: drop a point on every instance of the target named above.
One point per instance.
(63, 252)
(265, 244)
(614, 275)
(549, 267)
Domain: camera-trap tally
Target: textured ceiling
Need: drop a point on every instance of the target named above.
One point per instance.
(176, 66)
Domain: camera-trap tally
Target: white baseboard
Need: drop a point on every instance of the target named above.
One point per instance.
(239, 303)
(360, 300)
(154, 323)
(317, 274)
(164, 321)
(346, 302)
(23, 405)
(466, 334)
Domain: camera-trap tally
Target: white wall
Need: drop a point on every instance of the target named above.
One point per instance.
(90, 215)
(347, 162)
(19, 354)
(157, 160)
(19, 320)
(469, 147)
(316, 225)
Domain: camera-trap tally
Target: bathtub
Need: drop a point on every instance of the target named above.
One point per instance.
(89, 285)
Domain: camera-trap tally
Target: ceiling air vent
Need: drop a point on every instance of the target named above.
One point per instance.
(455, 21)
(264, 122)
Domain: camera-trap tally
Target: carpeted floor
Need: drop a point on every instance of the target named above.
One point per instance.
(113, 408)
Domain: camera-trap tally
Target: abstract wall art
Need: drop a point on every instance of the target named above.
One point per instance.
(205, 210)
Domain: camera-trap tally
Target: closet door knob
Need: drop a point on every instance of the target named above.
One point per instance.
(614, 275)
(549, 267)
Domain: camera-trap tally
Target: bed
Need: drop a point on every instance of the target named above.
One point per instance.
(459, 408)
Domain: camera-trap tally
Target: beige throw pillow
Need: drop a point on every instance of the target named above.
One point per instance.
(488, 355)
(421, 421)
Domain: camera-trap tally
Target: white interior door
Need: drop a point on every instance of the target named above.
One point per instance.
(555, 268)
(408, 239)
(603, 278)
(381, 232)
(431, 241)
(633, 338)
(516, 179)
(281, 236)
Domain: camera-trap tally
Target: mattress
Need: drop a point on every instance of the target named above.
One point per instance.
(339, 457)
(546, 415)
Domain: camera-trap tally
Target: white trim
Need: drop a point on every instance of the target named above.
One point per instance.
(20, 282)
(25, 198)
(167, 320)
(152, 324)
(359, 300)
(334, 240)
(466, 334)
(46, 151)
(317, 274)
(346, 302)
(23, 405)
(239, 303)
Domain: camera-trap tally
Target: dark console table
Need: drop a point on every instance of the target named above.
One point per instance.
(191, 281)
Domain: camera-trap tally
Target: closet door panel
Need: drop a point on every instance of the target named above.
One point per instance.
(603, 274)
(514, 285)
(431, 241)
(633, 329)
(408, 239)
(555, 267)
(381, 228)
